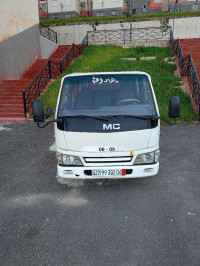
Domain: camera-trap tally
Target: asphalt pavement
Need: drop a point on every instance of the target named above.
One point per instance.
(150, 221)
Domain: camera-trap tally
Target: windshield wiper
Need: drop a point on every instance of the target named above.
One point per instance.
(107, 117)
(145, 117)
(86, 116)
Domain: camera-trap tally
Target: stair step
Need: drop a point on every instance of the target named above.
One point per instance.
(6, 98)
(11, 95)
(13, 119)
(9, 86)
(14, 109)
(13, 82)
(5, 86)
(11, 101)
(11, 114)
(7, 105)
(12, 90)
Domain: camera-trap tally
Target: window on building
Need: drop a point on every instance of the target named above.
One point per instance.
(68, 2)
(195, 7)
(178, 9)
(99, 1)
(82, 6)
(100, 14)
(43, 6)
(114, 0)
(114, 13)
(126, 3)
(157, 1)
(54, 3)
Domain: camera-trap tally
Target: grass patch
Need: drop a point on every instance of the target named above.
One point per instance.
(109, 58)
(123, 18)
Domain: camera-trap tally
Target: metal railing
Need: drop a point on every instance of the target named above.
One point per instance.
(188, 69)
(67, 59)
(49, 34)
(83, 44)
(36, 86)
(127, 35)
(50, 70)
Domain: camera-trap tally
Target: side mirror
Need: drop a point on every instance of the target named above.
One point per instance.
(49, 112)
(38, 112)
(174, 107)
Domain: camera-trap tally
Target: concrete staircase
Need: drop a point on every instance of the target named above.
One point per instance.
(11, 101)
(192, 46)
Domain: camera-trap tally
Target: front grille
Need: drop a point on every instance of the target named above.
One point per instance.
(108, 160)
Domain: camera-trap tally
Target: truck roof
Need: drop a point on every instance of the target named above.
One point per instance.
(106, 73)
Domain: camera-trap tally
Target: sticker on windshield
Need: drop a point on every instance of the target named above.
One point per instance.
(101, 80)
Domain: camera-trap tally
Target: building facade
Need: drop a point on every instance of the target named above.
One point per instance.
(107, 7)
(75, 8)
(169, 5)
(19, 37)
(43, 8)
(185, 5)
(63, 8)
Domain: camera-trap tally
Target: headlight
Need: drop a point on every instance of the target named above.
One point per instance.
(148, 158)
(65, 159)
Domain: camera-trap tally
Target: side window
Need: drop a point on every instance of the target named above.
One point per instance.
(54, 3)
(67, 98)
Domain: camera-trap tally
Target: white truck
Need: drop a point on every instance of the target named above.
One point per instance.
(107, 125)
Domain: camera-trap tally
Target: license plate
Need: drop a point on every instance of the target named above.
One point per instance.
(99, 148)
(108, 172)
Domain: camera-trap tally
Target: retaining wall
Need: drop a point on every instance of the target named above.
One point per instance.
(184, 28)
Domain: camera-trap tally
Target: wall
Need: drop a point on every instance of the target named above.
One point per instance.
(185, 28)
(62, 10)
(61, 6)
(43, 8)
(107, 8)
(47, 47)
(153, 5)
(107, 4)
(185, 6)
(19, 37)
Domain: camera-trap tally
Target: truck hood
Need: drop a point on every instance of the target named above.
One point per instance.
(123, 141)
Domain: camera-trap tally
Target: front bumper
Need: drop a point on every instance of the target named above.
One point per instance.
(83, 172)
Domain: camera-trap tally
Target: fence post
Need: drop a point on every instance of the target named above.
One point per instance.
(24, 102)
(188, 69)
(61, 70)
(73, 50)
(87, 39)
(49, 66)
(124, 37)
(56, 37)
(131, 30)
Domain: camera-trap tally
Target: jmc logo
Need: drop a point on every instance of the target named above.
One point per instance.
(111, 126)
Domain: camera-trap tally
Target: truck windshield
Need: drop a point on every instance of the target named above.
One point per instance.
(106, 95)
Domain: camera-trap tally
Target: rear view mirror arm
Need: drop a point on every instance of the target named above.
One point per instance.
(168, 122)
(42, 125)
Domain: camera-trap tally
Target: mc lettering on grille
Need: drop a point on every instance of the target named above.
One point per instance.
(111, 126)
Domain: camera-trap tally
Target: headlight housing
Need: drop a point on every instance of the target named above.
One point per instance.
(147, 158)
(66, 160)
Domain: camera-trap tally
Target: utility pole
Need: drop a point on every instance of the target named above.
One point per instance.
(88, 8)
(174, 14)
(131, 8)
(131, 13)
